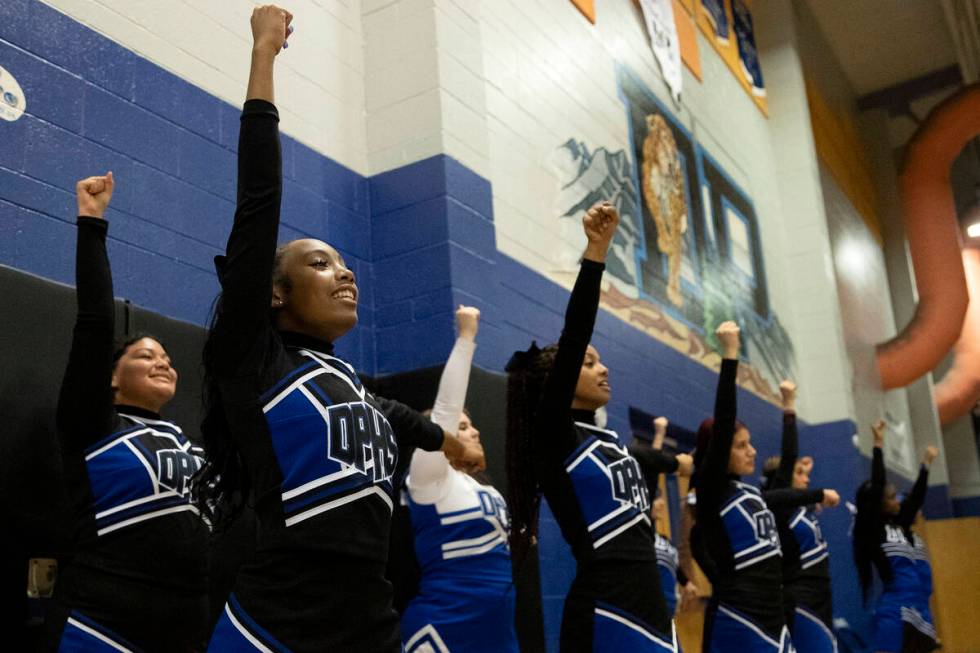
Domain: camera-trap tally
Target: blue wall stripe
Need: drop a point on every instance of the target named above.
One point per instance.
(966, 506)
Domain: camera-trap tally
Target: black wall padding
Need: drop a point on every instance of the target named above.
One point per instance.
(486, 399)
(36, 321)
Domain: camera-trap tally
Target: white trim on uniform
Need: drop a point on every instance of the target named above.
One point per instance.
(582, 456)
(245, 633)
(330, 369)
(149, 470)
(330, 505)
(99, 636)
(147, 420)
(475, 513)
(431, 631)
(748, 624)
(272, 403)
(608, 536)
(130, 504)
(812, 617)
(114, 442)
(473, 551)
(632, 626)
(471, 542)
(752, 561)
(148, 515)
(618, 511)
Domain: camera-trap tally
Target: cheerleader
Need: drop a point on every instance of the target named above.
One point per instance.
(881, 543)
(594, 487)
(672, 575)
(735, 539)
(466, 593)
(138, 579)
(807, 599)
(289, 426)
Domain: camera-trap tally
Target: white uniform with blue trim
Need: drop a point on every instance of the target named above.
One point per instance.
(466, 592)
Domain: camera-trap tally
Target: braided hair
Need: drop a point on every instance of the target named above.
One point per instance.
(869, 527)
(527, 372)
(221, 490)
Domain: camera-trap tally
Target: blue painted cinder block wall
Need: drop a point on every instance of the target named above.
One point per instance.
(95, 106)
(420, 239)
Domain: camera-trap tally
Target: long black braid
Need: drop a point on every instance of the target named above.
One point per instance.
(222, 487)
(527, 373)
(869, 527)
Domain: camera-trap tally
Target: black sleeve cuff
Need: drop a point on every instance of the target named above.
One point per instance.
(95, 223)
(260, 107)
(431, 440)
(589, 264)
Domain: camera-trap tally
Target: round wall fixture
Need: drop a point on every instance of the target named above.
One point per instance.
(12, 100)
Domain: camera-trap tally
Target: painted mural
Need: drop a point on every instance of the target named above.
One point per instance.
(687, 255)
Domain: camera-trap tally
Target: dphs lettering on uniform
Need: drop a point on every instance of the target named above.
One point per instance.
(359, 436)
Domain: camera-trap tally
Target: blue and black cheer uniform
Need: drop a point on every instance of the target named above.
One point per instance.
(668, 560)
(807, 599)
(599, 498)
(320, 450)
(138, 578)
(736, 542)
(900, 625)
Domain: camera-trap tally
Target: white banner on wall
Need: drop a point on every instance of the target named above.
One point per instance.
(659, 15)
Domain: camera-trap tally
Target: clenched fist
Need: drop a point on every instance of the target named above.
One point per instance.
(729, 337)
(600, 224)
(878, 431)
(787, 391)
(93, 195)
(467, 321)
(830, 498)
(270, 27)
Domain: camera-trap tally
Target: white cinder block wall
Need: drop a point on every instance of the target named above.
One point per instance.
(320, 78)
(378, 84)
(551, 76)
(424, 82)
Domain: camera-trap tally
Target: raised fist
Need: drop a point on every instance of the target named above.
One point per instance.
(787, 390)
(466, 456)
(930, 455)
(659, 432)
(467, 321)
(685, 464)
(93, 195)
(270, 27)
(830, 499)
(729, 338)
(600, 224)
(878, 431)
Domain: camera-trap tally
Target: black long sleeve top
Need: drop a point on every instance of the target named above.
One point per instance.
(319, 449)
(601, 521)
(806, 568)
(737, 539)
(140, 564)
